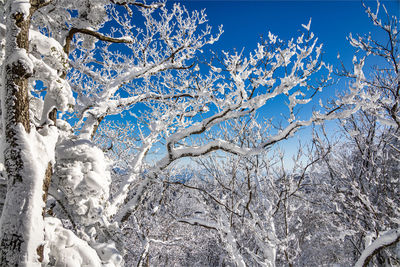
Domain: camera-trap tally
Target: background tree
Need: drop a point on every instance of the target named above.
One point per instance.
(363, 170)
(67, 66)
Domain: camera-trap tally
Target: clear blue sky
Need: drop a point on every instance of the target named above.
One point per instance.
(332, 22)
(245, 21)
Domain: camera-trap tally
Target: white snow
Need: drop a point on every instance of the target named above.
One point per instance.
(82, 174)
(38, 151)
(385, 239)
(21, 6)
(64, 248)
(307, 27)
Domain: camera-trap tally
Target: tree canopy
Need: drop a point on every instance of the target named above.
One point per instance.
(81, 188)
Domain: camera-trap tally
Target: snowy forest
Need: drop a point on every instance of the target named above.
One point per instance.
(124, 142)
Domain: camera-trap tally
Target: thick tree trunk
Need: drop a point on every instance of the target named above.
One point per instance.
(21, 235)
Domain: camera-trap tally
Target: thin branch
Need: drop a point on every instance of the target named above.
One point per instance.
(97, 35)
(208, 194)
(198, 223)
(138, 4)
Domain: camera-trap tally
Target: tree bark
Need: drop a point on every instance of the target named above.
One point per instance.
(18, 236)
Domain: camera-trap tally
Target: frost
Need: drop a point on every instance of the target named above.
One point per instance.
(177, 113)
(64, 248)
(21, 57)
(300, 39)
(217, 70)
(82, 174)
(38, 150)
(59, 95)
(388, 238)
(21, 7)
(272, 38)
(307, 27)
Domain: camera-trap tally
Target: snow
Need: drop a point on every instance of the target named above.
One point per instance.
(59, 95)
(108, 254)
(2, 42)
(22, 7)
(136, 165)
(50, 62)
(307, 27)
(388, 238)
(272, 38)
(82, 170)
(21, 57)
(46, 46)
(38, 151)
(82, 174)
(64, 248)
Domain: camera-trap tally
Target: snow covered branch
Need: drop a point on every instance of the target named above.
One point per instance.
(78, 176)
(95, 34)
(387, 239)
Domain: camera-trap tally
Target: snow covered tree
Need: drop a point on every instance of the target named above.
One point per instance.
(361, 184)
(362, 172)
(68, 65)
(259, 209)
(26, 159)
(38, 41)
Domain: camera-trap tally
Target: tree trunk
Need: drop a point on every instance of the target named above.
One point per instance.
(21, 224)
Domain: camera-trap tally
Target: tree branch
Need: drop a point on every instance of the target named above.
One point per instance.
(138, 4)
(97, 35)
(205, 192)
(389, 238)
(198, 223)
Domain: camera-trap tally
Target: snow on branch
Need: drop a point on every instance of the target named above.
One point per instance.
(95, 34)
(139, 4)
(236, 89)
(389, 238)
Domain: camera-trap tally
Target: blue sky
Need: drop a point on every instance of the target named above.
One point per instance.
(332, 22)
(244, 22)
